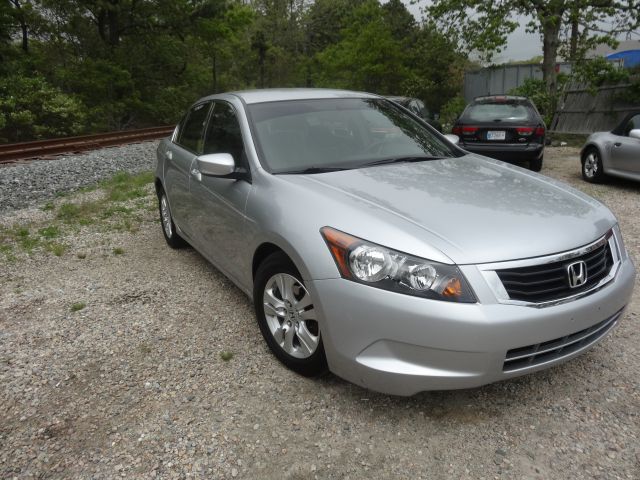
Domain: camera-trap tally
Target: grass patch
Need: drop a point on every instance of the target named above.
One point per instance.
(226, 356)
(123, 186)
(108, 210)
(7, 250)
(117, 210)
(56, 248)
(78, 213)
(76, 307)
(49, 232)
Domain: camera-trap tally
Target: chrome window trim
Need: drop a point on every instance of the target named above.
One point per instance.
(488, 270)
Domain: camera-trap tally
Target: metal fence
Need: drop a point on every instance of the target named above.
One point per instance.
(582, 111)
(501, 80)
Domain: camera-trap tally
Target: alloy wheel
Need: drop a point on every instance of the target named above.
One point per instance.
(290, 315)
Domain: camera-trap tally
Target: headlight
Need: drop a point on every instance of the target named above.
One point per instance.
(382, 267)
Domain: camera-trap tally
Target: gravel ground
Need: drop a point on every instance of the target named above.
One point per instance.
(26, 184)
(134, 384)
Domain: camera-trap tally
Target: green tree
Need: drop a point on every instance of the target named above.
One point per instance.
(367, 57)
(569, 26)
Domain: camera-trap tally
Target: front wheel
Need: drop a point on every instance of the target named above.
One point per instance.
(287, 317)
(592, 170)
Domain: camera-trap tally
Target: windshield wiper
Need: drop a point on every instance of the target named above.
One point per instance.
(386, 161)
(311, 170)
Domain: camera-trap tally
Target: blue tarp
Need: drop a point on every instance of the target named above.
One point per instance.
(630, 58)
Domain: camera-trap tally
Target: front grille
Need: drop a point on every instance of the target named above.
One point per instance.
(542, 283)
(532, 355)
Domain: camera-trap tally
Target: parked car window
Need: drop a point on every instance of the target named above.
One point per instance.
(505, 111)
(344, 132)
(191, 135)
(633, 124)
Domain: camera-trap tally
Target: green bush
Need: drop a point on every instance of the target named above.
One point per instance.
(450, 112)
(31, 108)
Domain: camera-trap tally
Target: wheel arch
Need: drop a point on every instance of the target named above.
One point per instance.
(158, 184)
(270, 246)
(587, 147)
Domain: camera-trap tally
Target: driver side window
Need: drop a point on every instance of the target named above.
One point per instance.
(224, 135)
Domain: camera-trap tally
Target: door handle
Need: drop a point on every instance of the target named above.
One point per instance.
(617, 144)
(169, 155)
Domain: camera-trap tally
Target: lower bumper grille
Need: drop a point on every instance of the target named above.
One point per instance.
(532, 355)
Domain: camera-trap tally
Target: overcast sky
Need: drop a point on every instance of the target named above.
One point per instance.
(520, 45)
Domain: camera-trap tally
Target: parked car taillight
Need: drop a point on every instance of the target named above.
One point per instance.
(540, 132)
(469, 130)
(457, 130)
(524, 131)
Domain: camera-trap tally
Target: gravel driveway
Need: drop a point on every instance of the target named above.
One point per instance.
(111, 365)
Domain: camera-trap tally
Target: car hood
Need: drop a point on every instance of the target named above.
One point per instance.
(472, 209)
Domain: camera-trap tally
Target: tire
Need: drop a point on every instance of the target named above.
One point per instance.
(166, 222)
(287, 322)
(592, 170)
(536, 165)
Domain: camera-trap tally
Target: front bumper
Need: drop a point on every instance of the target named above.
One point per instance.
(506, 152)
(401, 345)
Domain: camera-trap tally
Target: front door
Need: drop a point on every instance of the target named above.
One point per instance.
(625, 153)
(220, 211)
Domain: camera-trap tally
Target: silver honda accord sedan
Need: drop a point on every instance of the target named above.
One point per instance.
(372, 246)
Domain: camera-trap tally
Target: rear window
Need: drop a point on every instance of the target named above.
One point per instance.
(503, 111)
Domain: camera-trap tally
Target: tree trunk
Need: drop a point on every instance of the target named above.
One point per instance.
(25, 36)
(114, 28)
(575, 33)
(550, 41)
(214, 72)
(23, 25)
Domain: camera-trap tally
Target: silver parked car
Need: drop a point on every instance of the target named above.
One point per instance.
(375, 248)
(615, 153)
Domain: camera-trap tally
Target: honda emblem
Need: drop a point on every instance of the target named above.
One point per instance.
(577, 273)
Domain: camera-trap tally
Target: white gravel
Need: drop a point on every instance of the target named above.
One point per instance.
(134, 386)
(30, 183)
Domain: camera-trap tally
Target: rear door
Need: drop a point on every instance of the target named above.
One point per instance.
(625, 153)
(508, 122)
(179, 161)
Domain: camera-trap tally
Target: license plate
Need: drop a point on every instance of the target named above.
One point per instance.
(497, 135)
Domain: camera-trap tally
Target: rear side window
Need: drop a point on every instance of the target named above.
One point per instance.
(503, 111)
(192, 134)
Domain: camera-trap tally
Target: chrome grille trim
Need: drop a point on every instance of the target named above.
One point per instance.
(523, 358)
(488, 270)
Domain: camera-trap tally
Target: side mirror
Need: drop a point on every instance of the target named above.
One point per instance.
(216, 164)
(452, 138)
(635, 133)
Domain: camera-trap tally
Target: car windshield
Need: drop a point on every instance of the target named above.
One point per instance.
(503, 111)
(297, 135)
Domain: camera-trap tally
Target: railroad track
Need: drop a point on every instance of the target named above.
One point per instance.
(49, 149)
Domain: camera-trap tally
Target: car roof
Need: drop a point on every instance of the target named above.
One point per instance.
(282, 94)
(500, 98)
